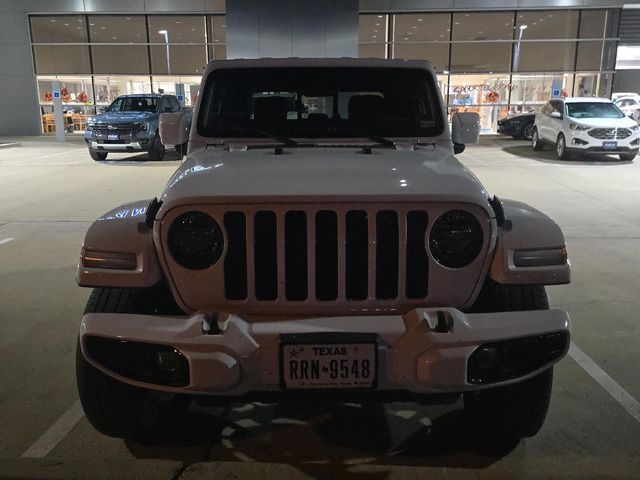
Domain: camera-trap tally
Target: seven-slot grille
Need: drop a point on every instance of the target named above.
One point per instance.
(325, 255)
(610, 133)
(122, 129)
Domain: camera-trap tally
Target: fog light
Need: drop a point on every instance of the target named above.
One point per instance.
(143, 362)
(508, 359)
(579, 141)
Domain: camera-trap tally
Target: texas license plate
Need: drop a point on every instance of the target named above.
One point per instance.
(113, 136)
(609, 145)
(328, 365)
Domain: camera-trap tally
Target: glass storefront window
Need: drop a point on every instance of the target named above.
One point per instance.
(125, 59)
(372, 50)
(480, 57)
(77, 102)
(543, 56)
(183, 59)
(178, 28)
(118, 29)
(62, 59)
(219, 29)
(58, 29)
(486, 94)
(593, 23)
(547, 24)
(187, 87)
(530, 92)
(436, 53)
(432, 27)
(482, 26)
(589, 55)
(372, 29)
(108, 88)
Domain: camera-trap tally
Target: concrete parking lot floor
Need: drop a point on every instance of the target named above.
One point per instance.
(49, 194)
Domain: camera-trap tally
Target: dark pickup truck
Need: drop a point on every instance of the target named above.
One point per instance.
(130, 124)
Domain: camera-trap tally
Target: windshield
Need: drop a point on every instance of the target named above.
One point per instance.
(593, 110)
(134, 104)
(320, 102)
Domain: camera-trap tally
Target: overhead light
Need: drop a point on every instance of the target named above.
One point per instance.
(162, 32)
(380, 16)
(446, 72)
(523, 27)
(419, 19)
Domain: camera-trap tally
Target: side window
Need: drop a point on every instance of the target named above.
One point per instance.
(164, 104)
(558, 107)
(547, 109)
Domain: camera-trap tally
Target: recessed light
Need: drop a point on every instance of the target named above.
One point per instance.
(419, 19)
(380, 16)
(406, 38)
(128, 18)
(456, 23)
(377, 24)
(66, 24)
(53, 20)
(114, 38)
(193, 29)
(413, 26)
(103, 28)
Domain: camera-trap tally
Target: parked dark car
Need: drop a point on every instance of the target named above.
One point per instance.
(518, 126)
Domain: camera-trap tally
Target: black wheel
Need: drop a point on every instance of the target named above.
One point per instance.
(156, 152)
(527, 132)
(518, 410)
(98, 156)
(182, 149)
(117, 409)
(561, 148)
(536, 143)
(627, 157)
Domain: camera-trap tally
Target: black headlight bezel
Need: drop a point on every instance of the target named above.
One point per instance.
(206, 237)
(455, 227)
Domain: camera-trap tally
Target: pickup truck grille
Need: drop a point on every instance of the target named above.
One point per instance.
(325, 255)
(122, 129)
(610, 133)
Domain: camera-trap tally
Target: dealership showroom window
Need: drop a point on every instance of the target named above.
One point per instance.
(319, 240)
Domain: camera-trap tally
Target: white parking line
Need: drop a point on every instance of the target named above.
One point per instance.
(56, 432)
(623, 397)
(6, 240)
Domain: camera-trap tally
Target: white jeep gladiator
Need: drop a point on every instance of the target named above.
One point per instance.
(321, 242)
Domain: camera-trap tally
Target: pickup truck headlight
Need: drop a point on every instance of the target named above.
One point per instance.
(143, 127)
(195, 240)
(455, 239)
(577, 126)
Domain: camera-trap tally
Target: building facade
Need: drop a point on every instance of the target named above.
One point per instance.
(496, 57)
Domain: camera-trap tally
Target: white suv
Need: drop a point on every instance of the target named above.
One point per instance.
(586, 125)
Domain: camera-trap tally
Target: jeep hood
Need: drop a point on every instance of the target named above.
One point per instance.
(123, 117)
(322, 174)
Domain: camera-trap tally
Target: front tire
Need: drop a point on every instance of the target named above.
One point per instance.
(536, 143)
(518, 410)
(98, 156)
(527, 132)
(561, 148)
(118, 409)
(156, 152)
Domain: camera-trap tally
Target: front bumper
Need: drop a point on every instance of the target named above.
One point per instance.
(581, 141)
(412, 355)
(118, 147)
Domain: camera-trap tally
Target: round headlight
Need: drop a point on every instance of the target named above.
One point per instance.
(456, 239)
(195, 240)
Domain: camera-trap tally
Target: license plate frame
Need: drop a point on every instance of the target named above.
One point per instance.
(326, 339)
(609, 145)
(113, 137)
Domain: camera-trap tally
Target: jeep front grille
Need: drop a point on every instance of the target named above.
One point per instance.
(325, 255)
(610, 133)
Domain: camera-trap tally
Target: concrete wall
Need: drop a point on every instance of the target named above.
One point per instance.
(292, 28)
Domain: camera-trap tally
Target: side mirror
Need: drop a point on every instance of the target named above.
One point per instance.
(102, 109)
(174, 129)
(465, 130)
(556, 115)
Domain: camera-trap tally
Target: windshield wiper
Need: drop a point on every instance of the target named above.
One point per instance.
(385, 142)
(264, 133)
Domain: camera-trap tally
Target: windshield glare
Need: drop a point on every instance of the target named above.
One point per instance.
(134, 104)
(593, 110)
(320, 102)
